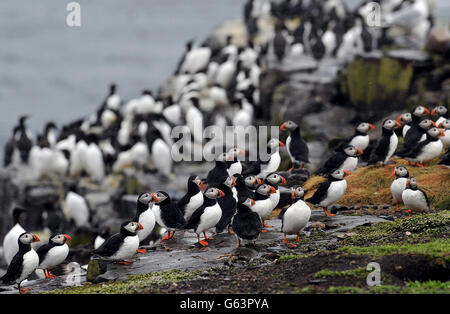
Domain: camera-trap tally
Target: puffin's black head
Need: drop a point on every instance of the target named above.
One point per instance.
(288, 125)
(160, 197)
(426, 124)
(145, 198)
(265, 189)
(59, 239)
(338, 174)
(252, 181)
(214, 193)
(421, 111)
(400, 172)
(352, 151)
(130, 228)
(365, 127)
(17, 213)
(411, 183)
(297, 192)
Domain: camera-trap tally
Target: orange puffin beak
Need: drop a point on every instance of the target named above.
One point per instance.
(35, 238)
(272, 190)
(399, 119)
(140, 227)
(433, 112)
(234, 182)
(241, 152)
(442, 132)
(360, 151)
(221, 194)
(154, 198)
(347, 173)
(398, 125)
(281, 143)
(283, 180)
(372, 127)
(433, 123)
(258, 180)
(283, 126)
(393, 173)
(68, 237)
(427, 111)
(293, 194)
(253, 201)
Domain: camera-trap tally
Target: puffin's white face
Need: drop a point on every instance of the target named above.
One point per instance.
(288, 125)
(275, 178)
(235, 152)
(297, 192)
(229, 182)
(401, 171)
(435, 132)
(390, 124)
(426, 124)
(265, 189)
(421, 111)
(252, 181)
(225, 157)
(445, 124)
(365, 127)
(133, 227)
(28, 238)
(350, 150)
(158, 197)
(406, 117)
(145, 198)
(274, 143)
(339, 174)
(439, 110)
(249, 202)
(412, 183)
(61, 238)
(214, 193)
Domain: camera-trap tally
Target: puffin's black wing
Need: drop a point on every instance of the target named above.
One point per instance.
(380, 151)
(228, 206)
(173, 217)
(320, 194)
(332, 163)
(426, 197)
(247, 225)
(253, 169)
(9, 151)
(299, 150)
(14, 269)
(416, 149)
(411, 139)
(195, 218)
(110, 246)
(42, 251)
(183, 201)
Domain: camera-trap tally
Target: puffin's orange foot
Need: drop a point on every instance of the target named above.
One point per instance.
(292, 246)
(266, 225)
(230, 231)
(327, 213)
(125, 262)
(203, 243)
(141, 250)
(419, 164)
(24, 290)
(50, 276)
(263, 230)
(291, 169)
(285, 241)
(165, 238)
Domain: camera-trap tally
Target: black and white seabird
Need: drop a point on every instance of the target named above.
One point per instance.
(445, 126)
(53, 253)
(330, 191)
(401, 175)
(346, 158)
(414, 198)
(295, 217)
(405, 120)
(207, 215)
(24, 262)
(10, 244)
(227, 203)
(12, 155)
(442, 113)
(415, 132)
(167, 214)
(121, 246)
(262, 168)
(360, 139)
(193, 199)
(426, 150)
(386, 145)
(296, 146)
(263, 203)
(273, 179)
(145, 216)
(246, 224)
(24, 140)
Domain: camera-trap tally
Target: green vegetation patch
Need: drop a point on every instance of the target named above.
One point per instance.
(327, 273)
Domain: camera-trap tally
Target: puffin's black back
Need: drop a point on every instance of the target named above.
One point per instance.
(171, 214)
(228, 205)
(298, 147)
(381, 149)
(246, 224)
(16, 265)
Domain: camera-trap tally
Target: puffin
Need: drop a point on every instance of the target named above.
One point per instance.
(167, 214)
(296, 146)
(386, 145)
(273, 179)
(401, 175)
(263, 203)
(295, 217)
(441, 112)
(331, 190)
(24, 262)
(145, 216)
(405, 120)
(120, 246)
(415, 132)
(241, 187)
(261, 168)
(24, 142)
(227, 203)
(207, 215)
(234, 165)
(53, 253)
(360, 139)
(445, 125)
(252, 182)
(246, 224)
(219, 171)
(279, 43)
(346, 158)
(426, 150)
(10, 245)
(414, 198)
(193, 199)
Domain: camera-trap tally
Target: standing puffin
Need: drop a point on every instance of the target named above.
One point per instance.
(441, 112)
(360, 139)
(144, 216)
(227, 203)
(121, 246)
(193, 199)
(445, 125)
(241, 187)
(296, 146)
(167, 214)
(330, 191)
(24, 262)
(262, 168)
(414, 198)
(415, 132)
(246, 224)
(295, 217)
(10, 245)
(273, 179)
(53, 253)
(401, 175)
(426, 150)
(405, 120)
(207, 215)
(386, 144)
(219, 171)
(346, 158)
(263, 203)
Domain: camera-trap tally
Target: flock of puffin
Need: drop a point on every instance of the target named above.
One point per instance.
(211, 86)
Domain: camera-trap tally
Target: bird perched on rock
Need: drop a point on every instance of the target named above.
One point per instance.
(386, 144)
(53, 253)
(346, 158)
(414, 198)
(10, 244)
(121, 246)
(296, 146)
(360, 139)
(401, 175)
(24, 262)
(405, 120)
(415, 132)
(145, 216)
(330, 191)
(193, 199)
(295, 217)
(263, 203)
(167, 214)
(246, 224)
(273, 180)
(227, 204)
